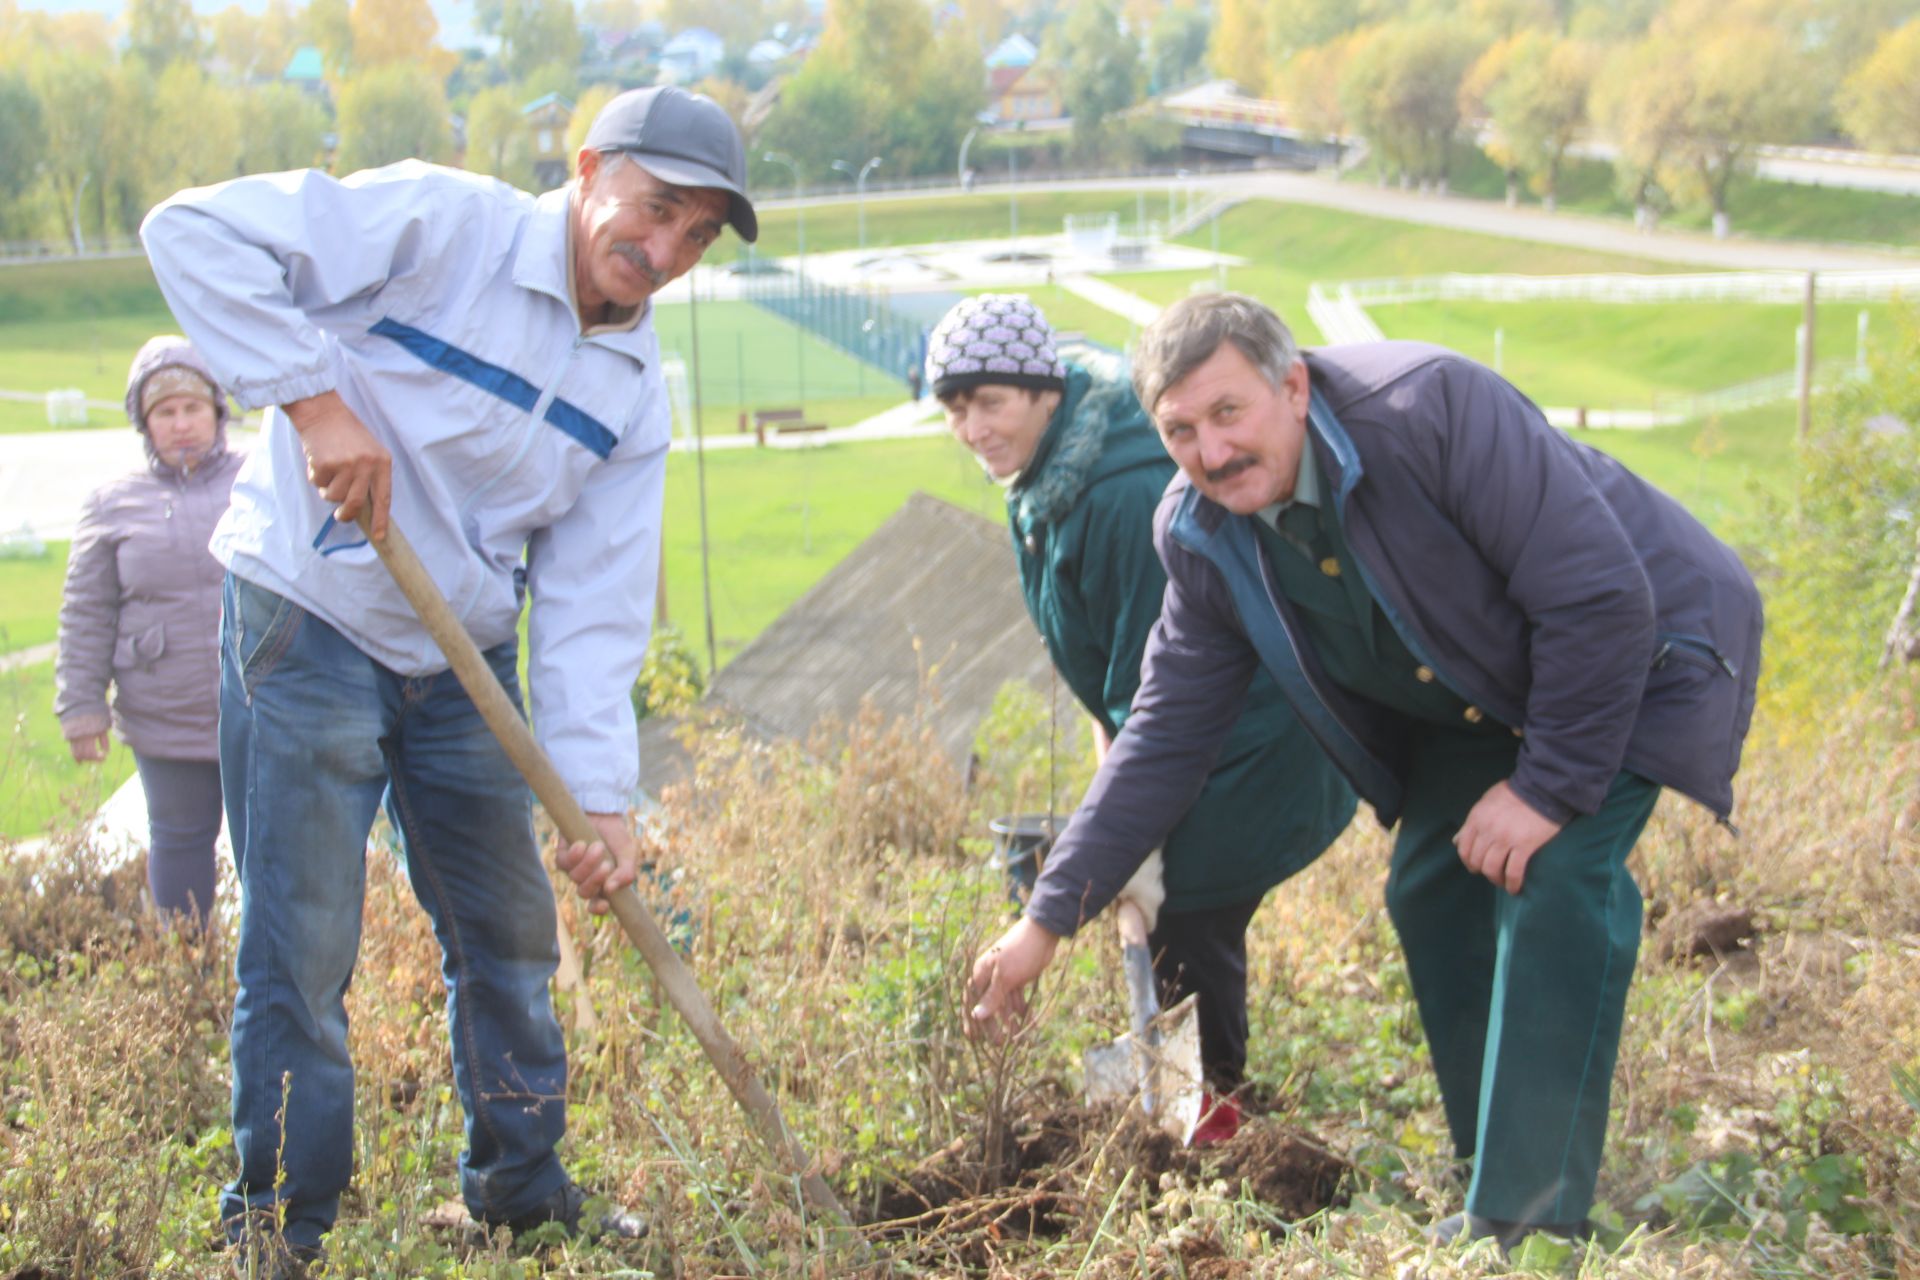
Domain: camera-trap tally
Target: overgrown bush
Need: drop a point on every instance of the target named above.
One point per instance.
(1836, 560)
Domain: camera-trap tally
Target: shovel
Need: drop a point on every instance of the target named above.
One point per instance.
(722, 1050)
(1158, 1061)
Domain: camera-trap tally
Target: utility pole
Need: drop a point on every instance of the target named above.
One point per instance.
(1806, 361)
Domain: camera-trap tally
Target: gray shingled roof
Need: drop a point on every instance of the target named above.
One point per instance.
(932, 573)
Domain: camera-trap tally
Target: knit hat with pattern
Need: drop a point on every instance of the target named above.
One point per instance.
(995, 339)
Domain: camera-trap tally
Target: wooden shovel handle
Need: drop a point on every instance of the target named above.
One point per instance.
(477, 678)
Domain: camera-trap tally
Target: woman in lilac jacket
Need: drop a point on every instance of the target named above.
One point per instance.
(141, 612)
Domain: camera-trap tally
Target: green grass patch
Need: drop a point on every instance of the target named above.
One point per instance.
(1290, 246)
(1069, 312)
(1719, 469)
(30, 598)
(88, 352)
(1627, 356)
(925, 220)
(60, 288)
(778, 519)
(40, 783)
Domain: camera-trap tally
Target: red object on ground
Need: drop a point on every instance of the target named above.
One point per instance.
(1219, 1120)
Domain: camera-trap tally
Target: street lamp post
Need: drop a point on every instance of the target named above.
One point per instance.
(799, 210)
(860, 192)
(964, 144)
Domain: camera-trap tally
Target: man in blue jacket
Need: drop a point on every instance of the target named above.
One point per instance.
(486, 362)
(1083, 470)
(1508, 644)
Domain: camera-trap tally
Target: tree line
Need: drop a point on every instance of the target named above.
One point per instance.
(1678, 93)
(97, 122)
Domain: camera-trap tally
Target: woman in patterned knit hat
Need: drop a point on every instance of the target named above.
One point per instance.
(1083, 469)
(141, 613)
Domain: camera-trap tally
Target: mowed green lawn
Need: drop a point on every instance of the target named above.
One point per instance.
(1628, 356)
(1288, 247)
(903, 220)
(30, 598)
(778, 519)
(1069, 312)
(41, 786)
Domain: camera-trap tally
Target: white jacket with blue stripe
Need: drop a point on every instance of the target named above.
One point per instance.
(438, 304)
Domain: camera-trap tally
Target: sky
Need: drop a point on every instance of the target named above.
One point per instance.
(456, 16)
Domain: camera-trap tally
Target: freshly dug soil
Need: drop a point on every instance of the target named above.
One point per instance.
(1032, 1183)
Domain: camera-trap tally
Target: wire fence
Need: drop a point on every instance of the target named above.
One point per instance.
(861, 323)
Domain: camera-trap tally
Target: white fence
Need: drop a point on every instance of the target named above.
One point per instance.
(1720, 286)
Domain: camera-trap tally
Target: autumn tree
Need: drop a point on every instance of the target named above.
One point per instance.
(327, 25)
(586, 106)
(1310, 85)
(1099, 71)
(1640, 101)
(538, 33)
(1238, 49)
(1532, 89)
(398, 32)
(162, 32)
(1401, 89)
(75, 93)
(391, 113)
(194, 138)
(23, 139)
(1743, 93)
(280, 128)
(497, 138)
(252, 47)
(1176, 46)
(1880, 101)
(879, 84)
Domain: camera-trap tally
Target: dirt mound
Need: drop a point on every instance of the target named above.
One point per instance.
(1035, 1179)
(1705, 928)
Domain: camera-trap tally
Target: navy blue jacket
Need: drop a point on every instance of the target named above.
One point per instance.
(1544, 583)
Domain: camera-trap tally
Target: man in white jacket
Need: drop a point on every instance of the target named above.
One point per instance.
(485, 364)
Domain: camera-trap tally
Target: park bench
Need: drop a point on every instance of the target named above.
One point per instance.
(781, 421)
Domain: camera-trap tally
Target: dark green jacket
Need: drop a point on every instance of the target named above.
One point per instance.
(1082, 521)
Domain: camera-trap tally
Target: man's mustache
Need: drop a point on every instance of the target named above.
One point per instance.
(1220, 475)
(638, 257)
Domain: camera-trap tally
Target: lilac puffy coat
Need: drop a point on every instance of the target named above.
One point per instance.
(141, 609)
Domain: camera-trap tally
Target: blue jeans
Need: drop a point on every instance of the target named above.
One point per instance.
(314, 735)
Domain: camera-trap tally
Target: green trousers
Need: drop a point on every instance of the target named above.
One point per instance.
(1521, 995)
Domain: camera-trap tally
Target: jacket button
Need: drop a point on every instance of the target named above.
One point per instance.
(1032, 544)
(1423, 674)
(1474, 715)
(1518, 732)
(1330, 567)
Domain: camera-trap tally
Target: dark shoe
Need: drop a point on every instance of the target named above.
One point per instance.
(1467, 1227)
(271, 1258)
(569, 1206)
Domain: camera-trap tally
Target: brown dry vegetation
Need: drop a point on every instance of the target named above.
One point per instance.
(830, 902)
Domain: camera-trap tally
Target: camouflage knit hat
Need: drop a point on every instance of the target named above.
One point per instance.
(995, 339)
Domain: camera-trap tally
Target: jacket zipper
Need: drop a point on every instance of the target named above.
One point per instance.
(535, 417)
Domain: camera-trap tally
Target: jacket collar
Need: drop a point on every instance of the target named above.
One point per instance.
(543, 262)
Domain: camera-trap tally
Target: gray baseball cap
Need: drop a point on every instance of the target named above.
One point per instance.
(683, 138)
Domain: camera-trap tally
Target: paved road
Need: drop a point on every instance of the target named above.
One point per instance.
(1574, 230)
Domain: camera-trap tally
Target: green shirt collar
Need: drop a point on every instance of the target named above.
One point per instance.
(1306, 488)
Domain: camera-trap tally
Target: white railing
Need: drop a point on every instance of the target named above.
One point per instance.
(1720, 286)
(1340, 316)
